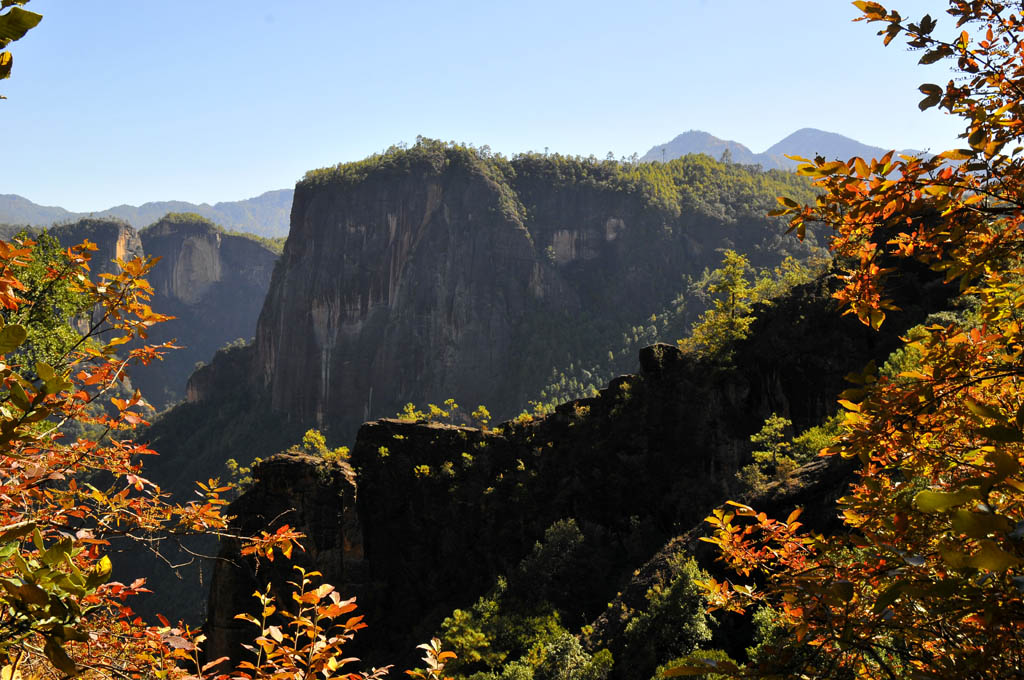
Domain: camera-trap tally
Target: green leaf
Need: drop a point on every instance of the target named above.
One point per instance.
(6, 63)
(11, 338)
(1001, 433)
(71, 634)
(19, 397)
(16, 23)
(934, 95)
(29, 593)
(992, 558)
(841, 591)
(1004, 463)
(16, 531)
(977, 139)
(59, 658)
(36, 415)
(45, 371)
(929, 101)
(887, 597)
(54, 555)
(932, 56)
(983, 410)
(937, 501)
(980, 524)
(958, 154)
(99, 573)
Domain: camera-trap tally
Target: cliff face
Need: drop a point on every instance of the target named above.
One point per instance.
(455, 276)
(405, 288)
(310, 494)
(213, 283)
(114, 239)
(444, 510)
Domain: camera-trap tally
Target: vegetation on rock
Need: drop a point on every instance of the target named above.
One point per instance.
(925, 580)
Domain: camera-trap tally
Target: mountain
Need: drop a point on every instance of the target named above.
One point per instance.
(265, 215)
(806, 143)
(438, 272)
(20, 211)
(439, 514)
(212, 283)
(696, 141)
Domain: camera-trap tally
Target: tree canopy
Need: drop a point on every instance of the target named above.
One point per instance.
(927, 581)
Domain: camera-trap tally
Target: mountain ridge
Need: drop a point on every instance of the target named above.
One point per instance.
(805, 142)
(264, 215)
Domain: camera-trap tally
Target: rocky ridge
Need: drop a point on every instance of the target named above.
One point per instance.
(444, 510)
(440, 272)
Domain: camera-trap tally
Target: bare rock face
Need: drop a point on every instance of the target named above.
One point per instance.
(213, 283)
(315, 496)
(448, 274)
(114, 238)
(407, 287)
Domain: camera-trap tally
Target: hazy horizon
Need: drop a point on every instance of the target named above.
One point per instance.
(144, 102)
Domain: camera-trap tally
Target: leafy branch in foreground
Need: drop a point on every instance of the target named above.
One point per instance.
(65, 501)
(927, 580)
(14, 24)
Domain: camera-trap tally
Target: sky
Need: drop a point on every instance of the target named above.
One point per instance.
(129, 101)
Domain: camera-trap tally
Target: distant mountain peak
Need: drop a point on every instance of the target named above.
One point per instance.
(699, 141)
(806, 142)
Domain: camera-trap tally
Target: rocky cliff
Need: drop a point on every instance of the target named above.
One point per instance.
(213, 283)
(439, 272)
(315, 496)
(114, 239)
(444, 510)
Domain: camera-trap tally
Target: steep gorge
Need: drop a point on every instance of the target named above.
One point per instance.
(213, 283)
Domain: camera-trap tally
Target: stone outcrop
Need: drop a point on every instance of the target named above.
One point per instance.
(213, 283)
(114, 239)
(455, 276)
(314, 496)
(444, 510)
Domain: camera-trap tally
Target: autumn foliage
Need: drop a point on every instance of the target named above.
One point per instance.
(67, 497)
(927, 581)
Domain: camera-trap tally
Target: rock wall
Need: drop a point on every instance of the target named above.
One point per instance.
(444, 510)
(455, 276)
(214, 284)
(310, 494)
(407, 287)
(114, 239)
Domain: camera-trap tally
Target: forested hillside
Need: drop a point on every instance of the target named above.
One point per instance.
(441, 271)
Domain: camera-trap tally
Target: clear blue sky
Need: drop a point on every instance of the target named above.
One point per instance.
(128, 101)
